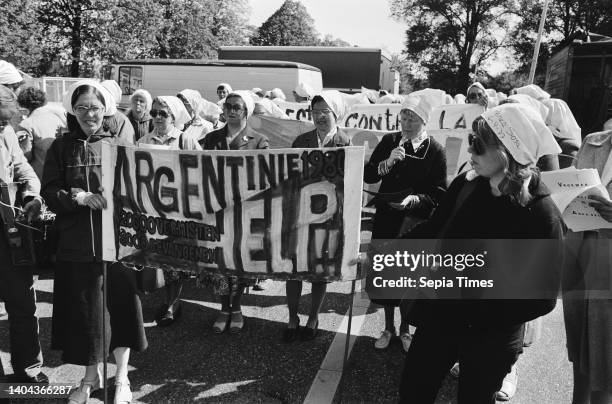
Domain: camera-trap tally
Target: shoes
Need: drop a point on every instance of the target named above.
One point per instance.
(508, 388)
(123, 394)
(455, 370)
(236, 322)
(40, 378)
(308, 333)
(81, 394)
(406, 340)
(384, 340)
(221, 324)
(169, 314)
(291, 334)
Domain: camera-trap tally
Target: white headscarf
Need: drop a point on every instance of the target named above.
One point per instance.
(278, 93)
(434, 96)
(561, 121)
(420, 105)
(9, 73)
(531, 102)
(194, 98)
(178, 110)
(522, 131)
(459, 98)
(109, 100)
(532, 90)
(476, 84)
(146, 95)
(114, 89)
(247, 98)
(305, 90)
(225, 86)
(334, 99)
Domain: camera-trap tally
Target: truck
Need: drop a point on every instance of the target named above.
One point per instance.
(344, 68)
(580, 73)
(169, 76)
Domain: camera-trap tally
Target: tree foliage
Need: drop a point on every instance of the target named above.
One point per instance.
(448, 38)
(289, 25)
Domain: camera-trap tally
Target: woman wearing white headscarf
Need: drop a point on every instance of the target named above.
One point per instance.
(564, 128)
(411, 167)
(138, 115)
(10, 76)
(502, 198)
(477, 94)
(235, 135)
(71, 188)
(197, 126)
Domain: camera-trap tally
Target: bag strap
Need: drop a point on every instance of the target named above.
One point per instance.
(467, 189)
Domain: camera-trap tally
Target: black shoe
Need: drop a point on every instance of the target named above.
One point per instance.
(291, 334)
(170, 316)
(40, 378)
(308, 334)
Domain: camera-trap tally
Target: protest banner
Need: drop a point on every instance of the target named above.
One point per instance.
(570, 190)
(290, 213)
(379, 117)
(298, 111)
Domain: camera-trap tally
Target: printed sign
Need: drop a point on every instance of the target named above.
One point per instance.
(298, 111)
(290, 213)
(379, 117)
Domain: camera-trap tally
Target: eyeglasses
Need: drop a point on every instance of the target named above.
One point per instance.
(474, 96)
(477, 144)
(82, 109)
(233, 107)
(322, 111)
(160, 112)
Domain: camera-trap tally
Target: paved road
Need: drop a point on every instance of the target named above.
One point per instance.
(188, 362)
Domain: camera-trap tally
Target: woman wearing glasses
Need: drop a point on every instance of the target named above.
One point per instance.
(501, 198)
(235, 135)
(326, 108)
(71, 187)
(169, 117)
(412, 169)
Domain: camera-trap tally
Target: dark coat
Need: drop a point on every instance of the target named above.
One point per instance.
(309, 140)
(248, 139)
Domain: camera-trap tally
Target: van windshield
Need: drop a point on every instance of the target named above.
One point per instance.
(130, 79)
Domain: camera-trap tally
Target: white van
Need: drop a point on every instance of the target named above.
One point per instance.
(169, 76)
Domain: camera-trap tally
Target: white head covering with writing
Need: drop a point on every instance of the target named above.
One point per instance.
(247, 98)
(522, 131)
(114, 89)
(109, 100)
(178, 110)
(532, 90)
(9, 73)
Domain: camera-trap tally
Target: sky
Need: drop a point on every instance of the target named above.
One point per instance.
(364, 23)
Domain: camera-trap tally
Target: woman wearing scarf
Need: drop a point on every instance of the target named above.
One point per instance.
(502, 198)
(197, 127)
(326, 108)
(71, 188)
(412, 167)
(169, 117)
(235, 135)
(477, 94)
(141, 102)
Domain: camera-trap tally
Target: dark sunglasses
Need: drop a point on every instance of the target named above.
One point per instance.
(161, 113)
(233, 107)
(477, 144)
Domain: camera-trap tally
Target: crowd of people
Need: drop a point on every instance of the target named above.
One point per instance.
(51, 150)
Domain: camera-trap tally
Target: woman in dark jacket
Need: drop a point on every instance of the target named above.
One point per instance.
(71, 187)
(412, 168)
(502, 198)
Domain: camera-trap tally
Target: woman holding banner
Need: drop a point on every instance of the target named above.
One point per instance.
(587, 299)
(71, 187)
(502, 198)
(326, 109)
(169, 117)
(235, 135)
(412, 168)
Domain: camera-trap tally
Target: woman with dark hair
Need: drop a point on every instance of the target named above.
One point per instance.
(71, 187)
(501, 198)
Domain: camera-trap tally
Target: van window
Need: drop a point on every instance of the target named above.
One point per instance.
(130, 79)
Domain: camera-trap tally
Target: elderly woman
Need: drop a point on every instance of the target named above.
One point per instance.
(223, 90)
(235, 135)
(169, 117)
(141, 102)
(477, 94)
(325, 108)
(411, 165)
(71, 187)
(43, 124)
(197, 127)
(587, 299)
(502, 198)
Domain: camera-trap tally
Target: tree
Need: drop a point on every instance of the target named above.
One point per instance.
(329, 40)
(448, 38)
(289, 25)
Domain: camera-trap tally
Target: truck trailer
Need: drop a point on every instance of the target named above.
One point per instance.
(581, 75)
(344, 68)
